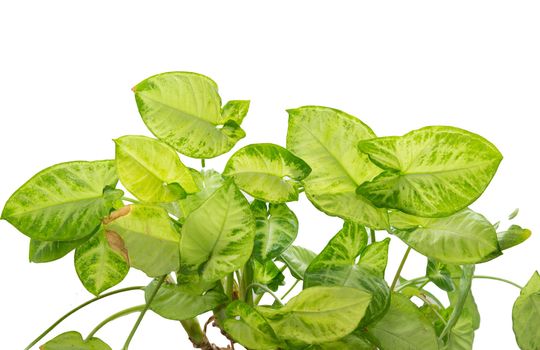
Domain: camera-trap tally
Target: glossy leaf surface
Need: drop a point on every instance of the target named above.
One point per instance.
(184, 110)
(326, 139)
(276, 229)
(146, 235)
(65, 202)
(297, 260)
(47, 251)
(319, 314)
(208, 181)
(99, 266)
(439, 274)
(217, 238)
(151, 170)
(513, 236)
(433, 172)
(462, 238)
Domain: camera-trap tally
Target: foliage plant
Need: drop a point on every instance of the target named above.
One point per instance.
(218, 242)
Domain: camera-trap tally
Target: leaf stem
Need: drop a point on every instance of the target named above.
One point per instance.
(400, 268)
(372, 235)
(77, 309)
(131, 200)
(266, 289)
(143, 312)
(498, 279)
(203, 163)
(114, 317)
(411, 282)
(290, 289)
(464, 289)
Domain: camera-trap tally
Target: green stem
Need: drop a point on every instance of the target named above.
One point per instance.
(465, 285)
(77, 309)
(372, 235)
(400, 268)
(194, 331)
(247, 278)
(131, 200)
(257, 299)
(432, 307)
(498, 279)
(290, 289)
(114, 317)
(143, 312)
(203, 163)
(266, 289)
(411, 282)
(229, 285)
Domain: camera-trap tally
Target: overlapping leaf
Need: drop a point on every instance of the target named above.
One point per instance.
(326, 140)
(433, 172)
(217, 237)
(374, 257)
(74, 340)
(151, 170)
(47, 251)
(297, 260)
(526, 315)
(513, 236)
(268, 172)
(146, 235)
(184, 110)
(463, 238)
(65, 202)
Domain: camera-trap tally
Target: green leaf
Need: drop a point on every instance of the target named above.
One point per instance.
(438, 273)
(98, 266)
(433, 172)
(403, 327)
(297, 260)
(175, 302)
(512, 237)
(268, 274)
(374, 257)
(326, 139)
(184, 110)
(319, 314)
(235, 110)
(526, 315)
(462, 238)
(268, 172)
(247, 327)
(353, 341)
(65, 202)
(47, 251)
(276, 229)
(132, 229)
(74, 341)
(151, 170)
(208, 181)
(217, 238)
(335, 266)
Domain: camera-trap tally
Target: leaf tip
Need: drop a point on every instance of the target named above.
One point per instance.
(117, 214)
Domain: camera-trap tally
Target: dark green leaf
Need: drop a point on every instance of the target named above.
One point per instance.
(438, 273)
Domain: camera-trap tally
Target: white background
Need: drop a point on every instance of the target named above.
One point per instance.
(66, 69)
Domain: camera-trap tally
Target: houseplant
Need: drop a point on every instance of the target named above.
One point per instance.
(218, 242)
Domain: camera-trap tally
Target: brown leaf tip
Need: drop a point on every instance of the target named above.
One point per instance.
(117, 214)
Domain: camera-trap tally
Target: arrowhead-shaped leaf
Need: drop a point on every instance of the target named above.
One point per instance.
(326, 140)
(268, 172)
(98, 266)
(72, 341)
(184, 110)
(462, 238)
(526, 315)
(65, 202)
(276, 229)
(146, 235)
(151, 170)
(217, 238)
(175, 302)
(319, 314)
(433, 172)
(403, 327)
(374, 257)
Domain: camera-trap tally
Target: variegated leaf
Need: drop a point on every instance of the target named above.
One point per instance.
(297, 260)
(268, 172)
(65, 202)
(184, 110)
(433, 172)
(326, 140)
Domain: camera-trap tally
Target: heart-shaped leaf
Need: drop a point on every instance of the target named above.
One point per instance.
(151, 170)
(65, 202)
(72, 341)
(374, 257)
(268, 172)
(184, 110)
(433, 172)
(326, 139)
